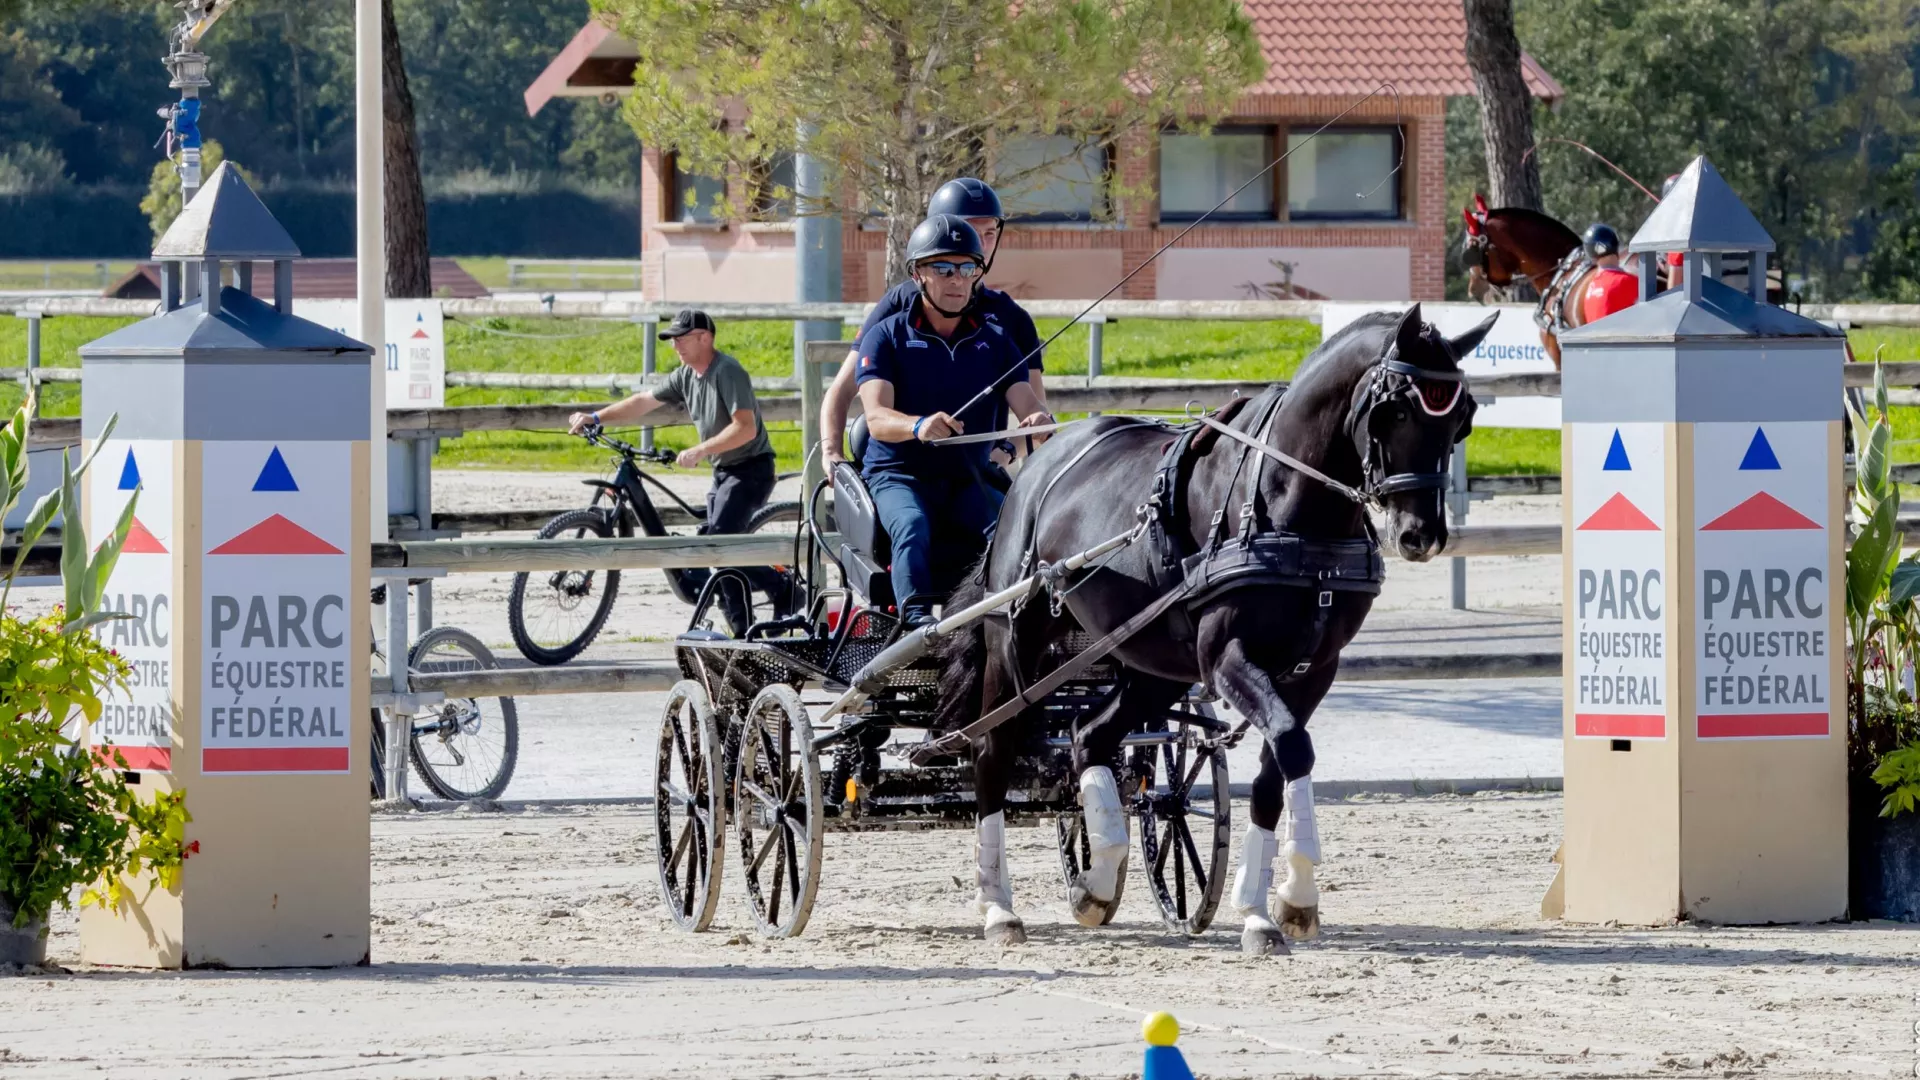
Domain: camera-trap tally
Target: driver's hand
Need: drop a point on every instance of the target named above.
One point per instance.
(831, 451)
(579, 422)
(1038, 419)
(940, 426)
(688, 458)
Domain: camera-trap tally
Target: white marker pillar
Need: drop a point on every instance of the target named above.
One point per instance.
(244, 433)
(1706, 723)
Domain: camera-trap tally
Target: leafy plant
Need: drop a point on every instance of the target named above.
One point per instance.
(64, 820)
(1900, 771)
(1883, 599)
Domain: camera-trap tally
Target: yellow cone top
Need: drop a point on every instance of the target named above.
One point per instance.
(1160, 1029)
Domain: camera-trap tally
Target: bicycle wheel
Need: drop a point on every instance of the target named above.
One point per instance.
(553, 616)
(379, 755)
(462, 748)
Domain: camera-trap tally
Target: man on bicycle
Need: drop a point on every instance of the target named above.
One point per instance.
(980, 206)
(717, 394)
(913, 368)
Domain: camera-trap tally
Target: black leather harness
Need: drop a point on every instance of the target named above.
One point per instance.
(1257, 557)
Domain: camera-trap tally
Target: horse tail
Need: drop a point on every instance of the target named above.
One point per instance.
(963, 655)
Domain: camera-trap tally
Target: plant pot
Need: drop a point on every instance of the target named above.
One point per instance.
(1886, 860)
(26, 945)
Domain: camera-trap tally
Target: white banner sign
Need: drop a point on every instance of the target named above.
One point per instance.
(1512, 347)
(1765, 653)
(416, 346)
(139, 721)
(275, 690)
(1620, 592)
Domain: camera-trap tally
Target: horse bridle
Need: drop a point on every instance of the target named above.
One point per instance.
(1392, 379)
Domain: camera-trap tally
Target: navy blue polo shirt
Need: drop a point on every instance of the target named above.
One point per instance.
(994, 306)
(933, 374)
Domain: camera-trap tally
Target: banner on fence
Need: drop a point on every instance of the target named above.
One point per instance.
(1512, 347)
(416, 346)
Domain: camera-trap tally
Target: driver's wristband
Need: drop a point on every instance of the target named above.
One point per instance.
(596, 418)
(916, 427)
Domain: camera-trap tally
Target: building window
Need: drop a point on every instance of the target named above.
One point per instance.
(694, 198)
(1197, 171)
(774, 194)
(1345, 174)
(1051, 178)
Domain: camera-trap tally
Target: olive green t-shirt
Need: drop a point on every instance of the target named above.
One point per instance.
(712, 399)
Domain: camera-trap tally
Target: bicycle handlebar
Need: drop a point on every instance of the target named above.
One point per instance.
(598, 436)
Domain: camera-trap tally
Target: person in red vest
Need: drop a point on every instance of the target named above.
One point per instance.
(1610, 287)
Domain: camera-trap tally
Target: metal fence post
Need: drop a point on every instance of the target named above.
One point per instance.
(1096, 344)
(31, 381)
(1458, 499)
(649, 353)
(423, 508)
(399, 718)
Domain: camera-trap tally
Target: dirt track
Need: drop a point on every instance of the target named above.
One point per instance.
(533, 944)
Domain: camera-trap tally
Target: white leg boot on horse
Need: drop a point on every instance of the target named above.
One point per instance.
(995, 898)
(1299, 909)
(1260, 936)
(1094, 895)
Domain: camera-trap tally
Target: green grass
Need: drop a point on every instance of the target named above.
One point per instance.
(1193, 350)
(488, 270)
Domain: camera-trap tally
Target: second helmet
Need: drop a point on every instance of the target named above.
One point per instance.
(967, 198)
(944, 234)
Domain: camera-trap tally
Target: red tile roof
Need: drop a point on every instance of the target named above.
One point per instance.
(1336, 47)
(1352, 46)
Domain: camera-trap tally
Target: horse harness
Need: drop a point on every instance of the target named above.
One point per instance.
(1256, 557)
(1551, 315)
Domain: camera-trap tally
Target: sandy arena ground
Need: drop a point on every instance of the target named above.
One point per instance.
(533, 945)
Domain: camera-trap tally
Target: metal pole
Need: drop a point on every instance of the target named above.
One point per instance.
(1096, 347)
(33, 358)
(399, 720)
(649, 357)
(370, 271)
(1457, 501)
(817, 255)
(423, 506)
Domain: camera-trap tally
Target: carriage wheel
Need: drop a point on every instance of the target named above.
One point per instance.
(690, 807)
(1070, 830)
(778, 816)
(1184, 834)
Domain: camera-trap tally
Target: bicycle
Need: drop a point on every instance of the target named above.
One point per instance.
(553, 617)
(461, 748)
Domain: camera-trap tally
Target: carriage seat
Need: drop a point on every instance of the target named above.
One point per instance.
(865, 552)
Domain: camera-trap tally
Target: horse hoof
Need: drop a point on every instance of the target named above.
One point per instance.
(1089, 910)
(1263, 941)
(1300, 923)
(1007, 933)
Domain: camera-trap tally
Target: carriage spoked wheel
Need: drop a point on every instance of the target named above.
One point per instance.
(1076, 854)
(690, 807)
(777, 811)
(1185, 829)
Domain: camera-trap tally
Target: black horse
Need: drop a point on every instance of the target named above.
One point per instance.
(1376, 410)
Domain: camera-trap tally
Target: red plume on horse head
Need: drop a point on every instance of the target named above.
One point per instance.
(1473, 223)
(1480, 204)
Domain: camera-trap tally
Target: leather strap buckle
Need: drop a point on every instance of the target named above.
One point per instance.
(1326, 598)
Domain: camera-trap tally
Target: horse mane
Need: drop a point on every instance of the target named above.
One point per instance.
(1538, 220)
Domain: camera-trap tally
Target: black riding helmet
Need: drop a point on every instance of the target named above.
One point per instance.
(1600, 239)
(943, 234)
(968, 198)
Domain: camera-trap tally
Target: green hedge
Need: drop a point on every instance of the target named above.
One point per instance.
(107, 223)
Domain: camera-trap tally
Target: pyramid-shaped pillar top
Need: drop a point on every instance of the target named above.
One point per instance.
(226, 221)
(1701, 213)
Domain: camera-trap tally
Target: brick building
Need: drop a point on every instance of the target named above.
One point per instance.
(1326, 225)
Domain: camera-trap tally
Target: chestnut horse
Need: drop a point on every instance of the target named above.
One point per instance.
(1511, 245)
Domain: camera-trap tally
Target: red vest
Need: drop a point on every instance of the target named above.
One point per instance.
(1609, 290)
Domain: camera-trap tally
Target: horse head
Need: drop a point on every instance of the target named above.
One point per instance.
(1509, 244)
(1405, 425)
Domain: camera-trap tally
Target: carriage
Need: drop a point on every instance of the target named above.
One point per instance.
(751, 768)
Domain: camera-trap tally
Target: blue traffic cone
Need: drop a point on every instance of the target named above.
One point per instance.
(1164, 1061)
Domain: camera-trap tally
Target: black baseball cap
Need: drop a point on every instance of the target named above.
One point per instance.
(686, 322)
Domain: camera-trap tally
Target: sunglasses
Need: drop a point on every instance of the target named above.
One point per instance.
(967, 271)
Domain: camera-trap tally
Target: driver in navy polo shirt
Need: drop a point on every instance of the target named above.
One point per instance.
(915, 369)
